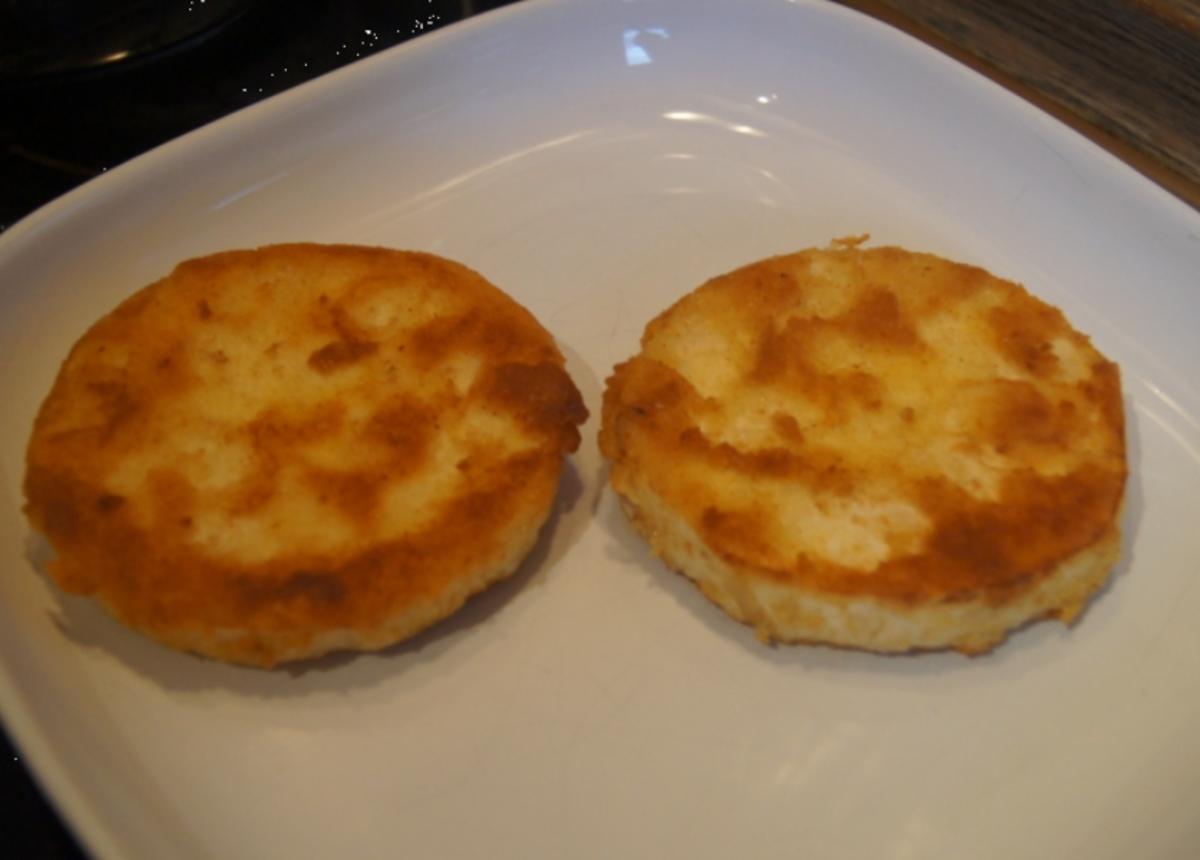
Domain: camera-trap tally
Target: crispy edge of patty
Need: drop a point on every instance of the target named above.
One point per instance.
(787, 613)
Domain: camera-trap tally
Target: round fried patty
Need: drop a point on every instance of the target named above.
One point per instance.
(276, 453)
(872, 448)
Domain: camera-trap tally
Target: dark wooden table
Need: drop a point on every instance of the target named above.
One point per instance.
(1125, 73)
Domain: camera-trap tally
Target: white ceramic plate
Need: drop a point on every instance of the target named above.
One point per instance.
(598, 160)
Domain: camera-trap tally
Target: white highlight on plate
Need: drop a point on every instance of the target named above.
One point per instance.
(709, 119)
(636, 53)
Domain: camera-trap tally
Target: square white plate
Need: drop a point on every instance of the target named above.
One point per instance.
(597, 160)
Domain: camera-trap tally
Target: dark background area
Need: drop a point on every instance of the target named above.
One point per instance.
(88, 84)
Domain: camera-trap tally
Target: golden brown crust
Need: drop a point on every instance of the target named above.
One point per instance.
(869, 424)
(269, 453)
